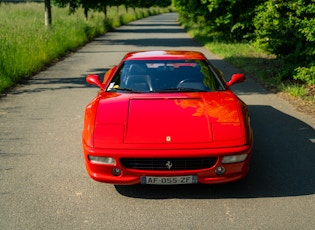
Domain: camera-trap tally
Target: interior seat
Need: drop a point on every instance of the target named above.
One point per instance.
(140, 83)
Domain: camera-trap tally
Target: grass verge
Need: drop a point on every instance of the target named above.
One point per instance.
(26, 46)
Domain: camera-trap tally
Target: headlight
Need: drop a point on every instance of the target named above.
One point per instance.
(102, 160)
(234, 159)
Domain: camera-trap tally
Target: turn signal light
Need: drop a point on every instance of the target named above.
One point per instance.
(102, 160)
(234, 159)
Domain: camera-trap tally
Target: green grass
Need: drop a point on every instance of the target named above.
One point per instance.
(260, 65)
(295, 89)
(26, 45)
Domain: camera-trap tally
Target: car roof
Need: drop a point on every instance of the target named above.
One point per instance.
(164, 55)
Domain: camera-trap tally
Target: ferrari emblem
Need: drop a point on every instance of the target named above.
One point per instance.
(169, 164)
(168, 138)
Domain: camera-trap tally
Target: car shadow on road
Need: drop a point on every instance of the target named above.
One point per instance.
(282, 164)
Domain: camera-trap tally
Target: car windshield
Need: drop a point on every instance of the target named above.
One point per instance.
(165, 76)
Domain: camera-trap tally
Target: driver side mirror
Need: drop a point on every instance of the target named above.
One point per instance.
(93, 79)
(236, 78)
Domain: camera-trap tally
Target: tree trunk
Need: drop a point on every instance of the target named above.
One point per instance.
(105, 11)
(86, 13)
(47, 13)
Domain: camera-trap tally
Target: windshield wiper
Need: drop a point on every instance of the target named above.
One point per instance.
(179, 90)
(123, 89)
(191, 90)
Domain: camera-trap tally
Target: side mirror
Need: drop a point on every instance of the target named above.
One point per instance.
(93, 79)
(236, 78)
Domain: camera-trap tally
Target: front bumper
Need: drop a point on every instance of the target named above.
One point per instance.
(128, 176)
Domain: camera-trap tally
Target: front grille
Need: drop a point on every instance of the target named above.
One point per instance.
(168, 163)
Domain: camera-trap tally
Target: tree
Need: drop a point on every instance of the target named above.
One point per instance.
(287, 29)
(48, 19)
(101, 5)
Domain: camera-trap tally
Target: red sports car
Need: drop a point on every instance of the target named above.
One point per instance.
(166, 117)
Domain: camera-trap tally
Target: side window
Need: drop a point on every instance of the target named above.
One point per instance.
(116, 80)
(210, 80)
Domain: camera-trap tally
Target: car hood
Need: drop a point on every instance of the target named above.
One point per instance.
(182, 119)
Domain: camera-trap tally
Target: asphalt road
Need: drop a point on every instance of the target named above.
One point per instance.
(44, 185)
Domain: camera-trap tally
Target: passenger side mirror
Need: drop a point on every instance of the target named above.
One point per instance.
(236, 78)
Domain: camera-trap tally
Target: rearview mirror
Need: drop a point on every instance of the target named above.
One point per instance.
(236, 78)
(93, 79)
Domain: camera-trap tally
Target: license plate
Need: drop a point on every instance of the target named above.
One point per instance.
(169, 180)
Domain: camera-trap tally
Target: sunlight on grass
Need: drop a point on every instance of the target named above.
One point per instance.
(294, 90)
(26, 45)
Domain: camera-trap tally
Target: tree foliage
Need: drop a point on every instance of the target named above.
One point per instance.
(283, 28)
(101, 4)
(287, 29)
(232, 19)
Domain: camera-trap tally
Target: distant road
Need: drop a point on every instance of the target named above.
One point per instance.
(44, 185)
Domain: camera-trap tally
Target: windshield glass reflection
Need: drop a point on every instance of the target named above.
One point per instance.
(165, 76)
